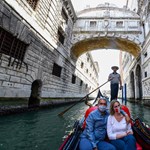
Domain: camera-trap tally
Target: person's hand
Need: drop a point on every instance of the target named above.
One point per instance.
(109, 79)
(95, 148)
(127, 118)
(123, 112)
(121, 87)
(129, 132)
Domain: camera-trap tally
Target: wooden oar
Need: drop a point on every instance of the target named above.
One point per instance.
(61, 114)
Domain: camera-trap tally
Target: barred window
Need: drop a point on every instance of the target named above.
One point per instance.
(10, 45)
(119, 24)
(93, 23)
(32, 3)
(133, 24)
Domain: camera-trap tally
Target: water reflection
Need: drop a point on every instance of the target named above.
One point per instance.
(140, 111)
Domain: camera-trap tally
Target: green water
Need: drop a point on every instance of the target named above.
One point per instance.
(44, 130)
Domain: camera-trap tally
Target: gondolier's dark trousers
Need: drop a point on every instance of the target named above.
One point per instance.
(114, 91)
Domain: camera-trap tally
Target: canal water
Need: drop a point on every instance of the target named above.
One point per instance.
(44, 129)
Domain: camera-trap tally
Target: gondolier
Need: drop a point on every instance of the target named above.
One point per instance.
(115, 80)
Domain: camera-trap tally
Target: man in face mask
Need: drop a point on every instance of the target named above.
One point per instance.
(94, 133)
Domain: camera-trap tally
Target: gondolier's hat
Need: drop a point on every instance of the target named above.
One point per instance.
(113, 67)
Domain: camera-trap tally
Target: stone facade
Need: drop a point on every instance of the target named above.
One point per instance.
(44, 41)
(137, 71)
(107, 27)
(85, 64)
(42, 32)
(132, 76)
(145, 55)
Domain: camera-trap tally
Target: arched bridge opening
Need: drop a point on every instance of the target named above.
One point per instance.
(95, 43)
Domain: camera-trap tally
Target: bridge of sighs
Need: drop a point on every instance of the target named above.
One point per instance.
(107, 27)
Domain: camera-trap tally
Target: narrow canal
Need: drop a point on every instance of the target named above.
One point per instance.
(43, 130)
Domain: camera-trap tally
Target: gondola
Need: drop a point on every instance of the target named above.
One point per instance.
(140, 129)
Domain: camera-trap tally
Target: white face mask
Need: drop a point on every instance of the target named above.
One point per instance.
(102, 108)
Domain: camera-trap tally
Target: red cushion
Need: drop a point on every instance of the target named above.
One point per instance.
(138, 146)
(88, 111)
(125, 108)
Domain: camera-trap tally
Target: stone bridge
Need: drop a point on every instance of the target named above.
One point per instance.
(107, 27)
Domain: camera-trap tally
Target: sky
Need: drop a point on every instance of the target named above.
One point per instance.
(105, 58)
(81, 4)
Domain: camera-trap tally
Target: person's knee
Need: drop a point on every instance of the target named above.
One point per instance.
(111, 147)
(119, 144)
(105, 145)
(85, 145)
(131, 138)
(131, 142)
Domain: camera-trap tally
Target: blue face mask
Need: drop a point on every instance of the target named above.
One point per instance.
(102, 108)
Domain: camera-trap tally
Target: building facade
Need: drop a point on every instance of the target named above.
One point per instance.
(137, 71)
(46, 41)
(35, 42)
(87, 66)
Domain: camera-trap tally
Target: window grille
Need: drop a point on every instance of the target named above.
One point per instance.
(32, 3)
(92, 24)
(133, 24)
(119, 24)
(13, 47)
